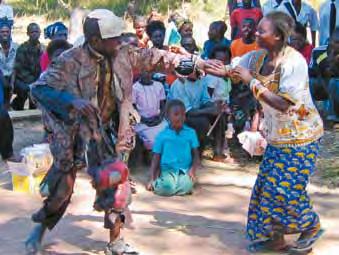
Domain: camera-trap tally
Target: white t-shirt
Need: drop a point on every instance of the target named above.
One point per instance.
(269, 6)
(6, 11)
(147, 98)
(307, 15)
(324, 15)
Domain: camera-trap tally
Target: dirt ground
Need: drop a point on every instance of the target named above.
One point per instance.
(211, 221)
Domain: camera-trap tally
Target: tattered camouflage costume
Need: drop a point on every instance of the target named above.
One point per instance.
(86, 74)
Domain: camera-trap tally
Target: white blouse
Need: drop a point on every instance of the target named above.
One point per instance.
(301, 124)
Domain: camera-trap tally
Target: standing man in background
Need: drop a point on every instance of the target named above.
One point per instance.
(329, 20)
(302, 13)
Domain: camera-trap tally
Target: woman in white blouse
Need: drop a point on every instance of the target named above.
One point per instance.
(278, 77)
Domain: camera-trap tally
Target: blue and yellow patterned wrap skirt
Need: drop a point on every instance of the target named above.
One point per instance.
(279, 198)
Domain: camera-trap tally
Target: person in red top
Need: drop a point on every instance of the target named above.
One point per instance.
(299, 42)
(238, 15)
(246, 43)
(139, 25)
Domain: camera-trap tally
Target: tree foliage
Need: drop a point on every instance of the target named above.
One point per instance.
(60, 7)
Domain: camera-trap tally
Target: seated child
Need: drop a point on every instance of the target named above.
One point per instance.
(219, 88)
(202, 112)
(298, 40)
(216, 36)
(176, 155)
(149, 99)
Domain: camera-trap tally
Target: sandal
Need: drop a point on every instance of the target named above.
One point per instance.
(307, 239)
(119, 247)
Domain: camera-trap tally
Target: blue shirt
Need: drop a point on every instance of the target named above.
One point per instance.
(193, 94)
(210, 44)
(175, 149)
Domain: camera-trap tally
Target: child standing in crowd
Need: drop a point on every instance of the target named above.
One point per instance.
(246, 43)
(298, 40)
(238, 15)
(176, 155)
(234, 4)
(149, 100)
(139, 25)
(216, 36)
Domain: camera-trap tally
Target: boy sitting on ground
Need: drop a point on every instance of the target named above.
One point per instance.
(176, 155)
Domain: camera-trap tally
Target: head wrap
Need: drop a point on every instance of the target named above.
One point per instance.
(52, 29)
(5, 22)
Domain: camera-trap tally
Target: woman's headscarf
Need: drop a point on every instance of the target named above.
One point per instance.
(54, 28)
(5, 22)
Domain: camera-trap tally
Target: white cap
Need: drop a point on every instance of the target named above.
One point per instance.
(110, 25)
